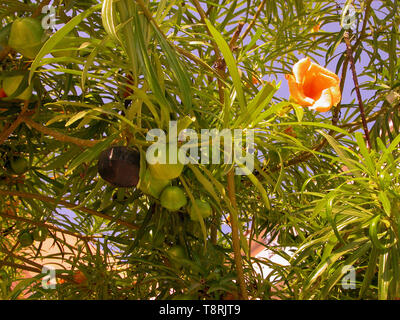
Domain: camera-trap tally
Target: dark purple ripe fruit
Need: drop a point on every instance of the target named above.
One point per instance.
(120, 166)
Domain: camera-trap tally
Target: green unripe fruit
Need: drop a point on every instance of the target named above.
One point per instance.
(26, 36)
(177, 252)
(204, 209)
(40, 234)
(19, 165)
(173, 198)
(167, 170)
(176, 256)
(25, 239)
(152, 186)
(11, 85)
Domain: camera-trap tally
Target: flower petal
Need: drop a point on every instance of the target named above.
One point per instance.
(316, 68)
(300, 69)
(324, 103)
(296, 92)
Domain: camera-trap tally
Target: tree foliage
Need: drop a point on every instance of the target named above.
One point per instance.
(111, 71)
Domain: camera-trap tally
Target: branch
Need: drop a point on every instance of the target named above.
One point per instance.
(253, 21)
(235, 235)
(59, 136)
(68, 205)
(203, 19)
(42, 224)
(10, 129)
(356, 86)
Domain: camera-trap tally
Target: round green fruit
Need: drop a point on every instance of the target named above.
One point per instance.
(25, 239)
(40, 234)
(152, 186)
(177, 252)
(26, 36)
(167, 170)
(173, 198)
(203, 207)
(19, 165)
(176, 256)
(11, 85)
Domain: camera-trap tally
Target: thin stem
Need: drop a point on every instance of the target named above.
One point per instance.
(357, 87)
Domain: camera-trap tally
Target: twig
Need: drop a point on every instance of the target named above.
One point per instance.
(356, 86)
(335, 116)
(253, 21)
(236, 35)
(42, 224)
(364, 27)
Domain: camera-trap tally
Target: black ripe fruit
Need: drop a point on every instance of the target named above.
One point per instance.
(120, 166)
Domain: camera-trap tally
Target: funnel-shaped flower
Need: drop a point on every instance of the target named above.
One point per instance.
(313, 86)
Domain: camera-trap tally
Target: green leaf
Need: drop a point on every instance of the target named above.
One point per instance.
(364, 151)
(77, 117)
(151, 74)
(230, 63)
(369, 274)
(108, 18)
(205, 182)
(181, 74)
(256, 105)
(385, 202)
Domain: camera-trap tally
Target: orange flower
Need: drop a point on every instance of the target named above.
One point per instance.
(313, 86)
(316, 27)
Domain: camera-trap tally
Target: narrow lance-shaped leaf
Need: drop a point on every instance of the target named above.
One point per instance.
(58, 36)
(230, 63)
